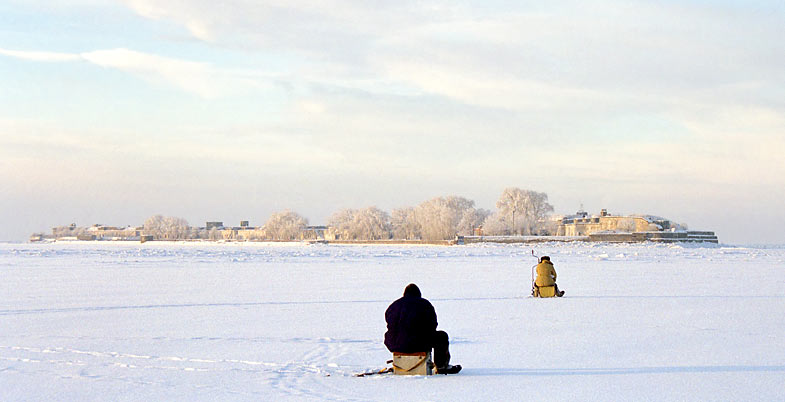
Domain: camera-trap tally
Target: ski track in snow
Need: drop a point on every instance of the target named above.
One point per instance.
(299, 378)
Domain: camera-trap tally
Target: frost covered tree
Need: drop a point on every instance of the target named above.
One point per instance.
(373, 223)
(404, 224)
(68, 231)
(442, 218)
(550, 227)
(285, 225)
(214, 234)
(340, 222)
(167, 228)
(526, 210)
(472, 218)
(495, 225)
(361, 224)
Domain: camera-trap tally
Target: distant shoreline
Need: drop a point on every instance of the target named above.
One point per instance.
(460, 240)
(761, 246)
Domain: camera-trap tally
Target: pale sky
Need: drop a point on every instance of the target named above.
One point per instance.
(115, 110)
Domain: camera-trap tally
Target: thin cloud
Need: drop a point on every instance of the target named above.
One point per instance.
(194, 77)
(556, 55)
(198, 78)
(52, 57)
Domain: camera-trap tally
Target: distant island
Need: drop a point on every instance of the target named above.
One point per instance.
(521, 216)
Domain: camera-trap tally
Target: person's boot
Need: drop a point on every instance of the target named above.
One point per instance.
(560, 294)
(449, 369)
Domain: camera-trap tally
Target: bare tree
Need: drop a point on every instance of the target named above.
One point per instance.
(214, 234)
(374, 223)
(361, 224)
(496, 225)
(440, 218)
(549, 228)
(285, 225)
(68, 231)
(472, 219)
(341, 223)
(527, 210)
(167, 228)
(404, 224)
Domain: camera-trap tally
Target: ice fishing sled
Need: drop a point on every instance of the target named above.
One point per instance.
(419, 363)
(544, 291)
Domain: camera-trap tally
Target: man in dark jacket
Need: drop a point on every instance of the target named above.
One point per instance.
(411, 327)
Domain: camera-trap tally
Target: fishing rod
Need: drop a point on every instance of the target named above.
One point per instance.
(533, 267)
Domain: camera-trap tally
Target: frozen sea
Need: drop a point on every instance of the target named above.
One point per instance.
(277, 322)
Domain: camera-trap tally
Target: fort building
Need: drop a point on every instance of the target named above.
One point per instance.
(628, 228)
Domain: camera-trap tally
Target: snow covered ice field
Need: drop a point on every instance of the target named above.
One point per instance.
(255, 321)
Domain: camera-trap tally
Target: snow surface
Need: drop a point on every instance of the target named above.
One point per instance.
(254, 321)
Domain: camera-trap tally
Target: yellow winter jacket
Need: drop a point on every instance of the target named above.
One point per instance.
(546, 275)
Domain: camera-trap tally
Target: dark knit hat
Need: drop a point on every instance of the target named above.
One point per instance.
(412, 290)
(545, 258)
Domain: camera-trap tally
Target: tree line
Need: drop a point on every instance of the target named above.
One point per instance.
(518, 212)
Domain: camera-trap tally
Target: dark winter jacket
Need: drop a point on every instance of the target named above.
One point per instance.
(411, 323)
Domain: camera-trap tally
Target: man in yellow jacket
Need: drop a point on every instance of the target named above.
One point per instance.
(546, 275)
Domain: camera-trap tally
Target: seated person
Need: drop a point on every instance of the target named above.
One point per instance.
(546, 275)
(411, 328)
